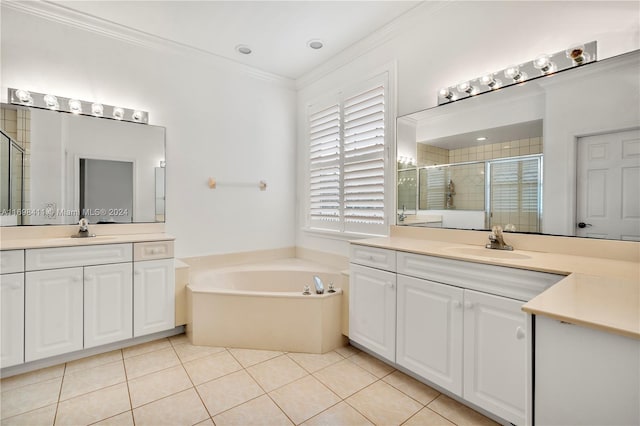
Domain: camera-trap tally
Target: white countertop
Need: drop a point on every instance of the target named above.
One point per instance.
(31, 243)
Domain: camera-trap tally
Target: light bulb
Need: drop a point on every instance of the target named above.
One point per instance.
(97, 109)
(24, 96)
(51, 102)
(513, 72)
(75, 106)
(118, 113)
(577, 54)
(490, 81)
(464, 87)
(137, 116)
(445, 93)
(544, 64)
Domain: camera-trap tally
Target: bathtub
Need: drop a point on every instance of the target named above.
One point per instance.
(261, 306)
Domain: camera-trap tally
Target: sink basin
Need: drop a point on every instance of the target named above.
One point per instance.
(489, 253)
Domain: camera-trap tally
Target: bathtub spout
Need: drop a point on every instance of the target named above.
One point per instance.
(319, 284)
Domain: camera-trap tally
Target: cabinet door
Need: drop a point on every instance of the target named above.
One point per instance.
(12, 319)
(53, 312)
(108, 304)
(153, 296)
(430, 331)
(495, 355)
(372, 310)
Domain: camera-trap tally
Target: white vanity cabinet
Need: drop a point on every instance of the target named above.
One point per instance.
(12, 308)
(153, 288)
(108, 303)
(372, 300)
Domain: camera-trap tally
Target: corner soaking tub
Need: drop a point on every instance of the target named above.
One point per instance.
(261, 306)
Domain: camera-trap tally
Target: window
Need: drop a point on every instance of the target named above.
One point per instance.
(348, 145)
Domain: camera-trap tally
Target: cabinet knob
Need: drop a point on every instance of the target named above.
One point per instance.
(15, 286)
(371, 258)
(468, 305)
(137, 272)
(391, 285)
(520, 333)
(456, 304)
(76, 279)
(89, 277)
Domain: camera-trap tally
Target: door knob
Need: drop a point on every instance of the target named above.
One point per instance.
(520, 333)
(583, 225)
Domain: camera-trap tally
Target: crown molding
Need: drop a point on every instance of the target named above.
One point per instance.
(63, 15)
(407, 20)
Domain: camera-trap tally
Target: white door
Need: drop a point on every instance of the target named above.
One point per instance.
(53, 312)
(108, 304)
(153, 296)
(608, 193)
(12, 319)
(429, 339)
(495, 355)
(372, 310)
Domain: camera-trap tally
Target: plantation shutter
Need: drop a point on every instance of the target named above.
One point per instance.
(324, 167)
(436, 182)
(364, 151)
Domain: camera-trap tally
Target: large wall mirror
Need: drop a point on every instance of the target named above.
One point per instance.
(555, 155)
(56, 168)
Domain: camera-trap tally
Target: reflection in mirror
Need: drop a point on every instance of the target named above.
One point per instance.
(484, 161)
(79, 166)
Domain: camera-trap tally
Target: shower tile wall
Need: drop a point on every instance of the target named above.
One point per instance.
(497, 150)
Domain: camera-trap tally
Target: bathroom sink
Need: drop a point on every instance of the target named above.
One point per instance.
(489, 253)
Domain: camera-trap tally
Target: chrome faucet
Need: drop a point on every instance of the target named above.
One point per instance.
(83, 232)
(402, 216)
(496, 240)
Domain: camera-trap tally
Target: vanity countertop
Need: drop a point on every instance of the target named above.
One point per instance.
(597, 293)
(31, 243)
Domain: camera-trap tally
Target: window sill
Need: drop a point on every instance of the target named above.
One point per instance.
(341, 236)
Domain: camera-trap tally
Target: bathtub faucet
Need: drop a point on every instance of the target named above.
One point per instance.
(319, 284)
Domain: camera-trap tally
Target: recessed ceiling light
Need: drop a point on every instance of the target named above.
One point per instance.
(243, 48)
(315, 44)
(481, 138)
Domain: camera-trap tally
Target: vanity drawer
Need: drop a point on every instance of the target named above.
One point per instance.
(11, 261)
(514, 283)
(374, 257)
(153, 250)
(67, 257)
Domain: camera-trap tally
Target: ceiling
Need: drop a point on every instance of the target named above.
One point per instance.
(276, 31)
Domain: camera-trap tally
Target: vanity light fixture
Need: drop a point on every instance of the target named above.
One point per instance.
(51, 102)
(514, 73)
(541, 66)
(163, 163)
(97, 109)
(75, 106)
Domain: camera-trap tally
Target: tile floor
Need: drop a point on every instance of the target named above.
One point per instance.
(171, 382)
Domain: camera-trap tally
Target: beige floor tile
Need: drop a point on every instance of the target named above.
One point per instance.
(150, 362)
(304, 398)
(276, 372)
(182, 409)
(94, 406)
(339, 414)
(144, 348)
(207, 422)
(345, 378)
(188, 352)
(32, 377)
(249, 357)
(123, 419)
(372, 365)
(41, 416)
(228, 391)
(458, 413)
(211, 367)
(29, 397)
(315, 362)
(410, 386)
(179, 339)
(259, 411)
(383, 404)
(426, 417)
(93, 361)
(157, 385)
(348, 351)
(85, 381)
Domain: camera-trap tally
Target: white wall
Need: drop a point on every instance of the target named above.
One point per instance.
(460, 41)
(220, 120)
